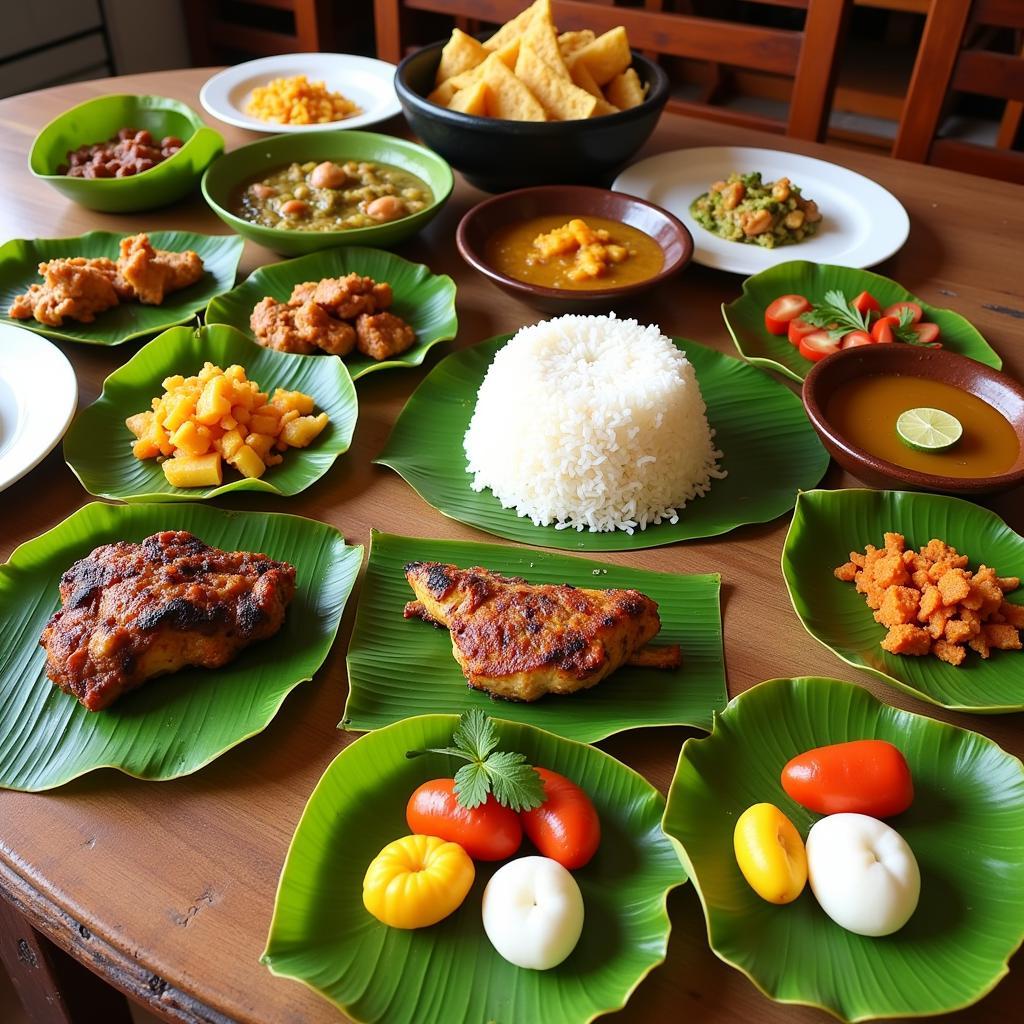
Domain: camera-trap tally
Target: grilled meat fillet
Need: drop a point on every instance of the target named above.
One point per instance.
(134, 611)
(520, 641)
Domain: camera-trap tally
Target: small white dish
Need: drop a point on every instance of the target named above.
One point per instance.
(365, 81)
(38, 397)
(862, 224)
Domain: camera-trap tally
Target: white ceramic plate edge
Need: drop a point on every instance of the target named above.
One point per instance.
(50, 383)
(215, 92)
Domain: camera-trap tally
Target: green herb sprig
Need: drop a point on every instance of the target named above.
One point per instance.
(513, 783)
(838, 316)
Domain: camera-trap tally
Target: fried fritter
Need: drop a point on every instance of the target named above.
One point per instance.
(134, 611)
(350, 296)
(519, 641)
(300, 328)
(72, 289)
(154, 273)
(383, 335)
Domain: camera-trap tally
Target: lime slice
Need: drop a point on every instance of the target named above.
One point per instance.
(929, 430)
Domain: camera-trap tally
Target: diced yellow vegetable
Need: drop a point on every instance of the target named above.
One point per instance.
(145, 449)
(229, 423)
(265, 425)
(139, 423)
(213, 403)
(230, 443)
(240, 414)
(187, 439)
(248, 463)
(177, 410)
(194, 471)
(261, 444)
(289, 400)
(300, 432)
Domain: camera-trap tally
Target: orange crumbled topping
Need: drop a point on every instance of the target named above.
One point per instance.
(595, 252)
(297, 100)
(931, 603)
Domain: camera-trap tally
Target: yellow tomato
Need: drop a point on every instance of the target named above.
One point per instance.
(417, 881)
(770, 853)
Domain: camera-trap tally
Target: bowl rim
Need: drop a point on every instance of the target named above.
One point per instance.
(296, 138)
(479, 263)
(882, 467)
(656, 98)
(164, 103)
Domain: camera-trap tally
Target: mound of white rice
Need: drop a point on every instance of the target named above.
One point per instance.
(591, 422)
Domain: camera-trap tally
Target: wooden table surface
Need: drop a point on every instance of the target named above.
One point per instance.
(167, 888)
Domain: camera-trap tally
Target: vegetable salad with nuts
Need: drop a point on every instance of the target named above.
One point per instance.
(329, 196)
(743, 208)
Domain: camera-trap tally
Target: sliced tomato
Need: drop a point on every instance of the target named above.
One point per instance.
(785, 308)
(855, 339)
(798, 328)
(897, 307)
(927, 333)
(866, 303)
(817, 345)
(881, 329)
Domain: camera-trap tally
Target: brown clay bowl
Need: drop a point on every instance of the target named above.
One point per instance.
(994, 388)
(479, 224)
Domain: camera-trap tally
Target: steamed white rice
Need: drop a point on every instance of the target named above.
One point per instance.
(594, 423)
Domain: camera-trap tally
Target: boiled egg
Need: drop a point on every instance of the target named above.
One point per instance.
(863, 873)
(533, 912)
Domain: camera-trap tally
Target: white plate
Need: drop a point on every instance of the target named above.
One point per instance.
(862, 224)
(368, 82)
(38, 396)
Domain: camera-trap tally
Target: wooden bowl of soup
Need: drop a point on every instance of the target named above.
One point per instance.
(571, 248)
(855, 397)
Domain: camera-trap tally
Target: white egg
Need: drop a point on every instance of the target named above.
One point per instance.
(533, 912)
(863, 873)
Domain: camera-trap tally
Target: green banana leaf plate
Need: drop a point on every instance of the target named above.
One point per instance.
(19, 268)
(399, 667)
(424, 300)
(770, 452)
(98, 447)
(745, 316)
(965, 826)
(170, 727)
(828, 525)
(322, 935)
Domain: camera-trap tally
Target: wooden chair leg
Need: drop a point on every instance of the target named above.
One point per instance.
(53, 987)
(388, 26)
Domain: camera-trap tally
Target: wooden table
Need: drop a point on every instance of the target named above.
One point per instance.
(166, 889)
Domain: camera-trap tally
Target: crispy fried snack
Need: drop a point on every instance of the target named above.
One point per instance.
(932, 603)
(153, 273)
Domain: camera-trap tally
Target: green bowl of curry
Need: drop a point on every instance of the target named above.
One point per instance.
(304, 192)
(571, 248)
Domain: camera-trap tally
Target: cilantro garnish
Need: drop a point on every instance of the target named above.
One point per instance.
(836, 315)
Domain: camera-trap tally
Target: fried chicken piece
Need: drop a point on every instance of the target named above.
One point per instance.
(303, 293)
(520, 641)
(300, 329)
(73, 289)
(351, 296)
(154, 273)
(383, 335)
(134, 611)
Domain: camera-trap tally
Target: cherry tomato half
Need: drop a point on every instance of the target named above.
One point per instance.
(817, 345)
(866, 303)
(798, 328)
(855, 339)
(897, 308)
(785, 308)
(881, 329)
(927, 333)
(487, 832)
(861, 777)
(565, 827)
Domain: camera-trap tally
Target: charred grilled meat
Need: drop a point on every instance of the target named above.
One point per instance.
(134, 611)
(520, 641)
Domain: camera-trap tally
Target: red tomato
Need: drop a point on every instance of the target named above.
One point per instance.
(927, 333)
(782, 310)
(897, 307)
(565, 827)
(817, 345)
(487, 832)
(866, 303)
(798, 328)
(855, 339)
(862, 777)
(881, 330)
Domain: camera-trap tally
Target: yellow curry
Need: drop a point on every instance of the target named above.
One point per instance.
(573, 253)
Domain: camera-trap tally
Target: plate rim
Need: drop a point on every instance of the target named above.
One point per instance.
(231, 115)
(701, 255)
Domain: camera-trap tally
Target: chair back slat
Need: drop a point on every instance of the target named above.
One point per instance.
(1000, 75)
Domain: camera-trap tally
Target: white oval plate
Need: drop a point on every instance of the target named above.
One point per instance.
(38, 396)
(862, 224)
(368, 82)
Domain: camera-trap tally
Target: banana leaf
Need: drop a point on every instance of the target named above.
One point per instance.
(172, 726)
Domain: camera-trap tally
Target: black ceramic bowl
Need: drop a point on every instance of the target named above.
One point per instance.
(500, 155)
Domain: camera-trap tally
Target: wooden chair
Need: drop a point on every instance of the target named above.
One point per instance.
(946, 63)
(214, 35)
(807, 55)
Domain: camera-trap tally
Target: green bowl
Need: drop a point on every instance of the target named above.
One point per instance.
(224, 176)
(101, 118)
